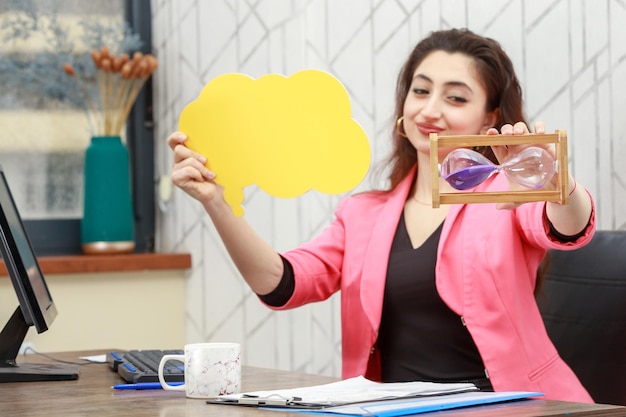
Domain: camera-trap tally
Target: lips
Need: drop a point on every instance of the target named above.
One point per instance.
(427, 128)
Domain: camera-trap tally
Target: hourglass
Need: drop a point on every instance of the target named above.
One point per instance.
(532, 168)
(464, 168)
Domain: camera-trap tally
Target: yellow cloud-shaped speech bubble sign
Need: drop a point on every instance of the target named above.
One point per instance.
(287, 135)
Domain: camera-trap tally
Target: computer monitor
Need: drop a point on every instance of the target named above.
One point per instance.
(35, 305)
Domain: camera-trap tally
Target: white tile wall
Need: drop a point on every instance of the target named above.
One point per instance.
(569, 54)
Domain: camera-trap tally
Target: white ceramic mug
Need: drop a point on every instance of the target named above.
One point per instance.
(211, 369)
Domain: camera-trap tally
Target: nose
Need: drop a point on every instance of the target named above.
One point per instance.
(432, 108)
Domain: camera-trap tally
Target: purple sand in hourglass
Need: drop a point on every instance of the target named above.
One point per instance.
(470, 177)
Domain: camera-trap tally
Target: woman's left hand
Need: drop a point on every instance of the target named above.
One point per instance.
(504, 152)
(569, 219)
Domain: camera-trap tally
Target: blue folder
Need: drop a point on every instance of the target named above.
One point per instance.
(411, 406)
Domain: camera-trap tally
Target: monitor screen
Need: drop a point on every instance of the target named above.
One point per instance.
(32, 292)
(36, 307)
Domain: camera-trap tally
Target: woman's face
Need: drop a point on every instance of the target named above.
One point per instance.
(446, 97)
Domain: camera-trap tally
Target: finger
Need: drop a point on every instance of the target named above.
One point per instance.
(175, 139)
(500, 151)
(185, 175)
(190, 173)
(189, 161)
(539, 127)
(196, 162)
(520, 128)
(182, 152)
(176, 142)
(506, 129)
(492, 131)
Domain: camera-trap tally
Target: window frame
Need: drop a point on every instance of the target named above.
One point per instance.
(51, 237)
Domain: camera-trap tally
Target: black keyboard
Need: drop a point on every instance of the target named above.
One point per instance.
(137, 366)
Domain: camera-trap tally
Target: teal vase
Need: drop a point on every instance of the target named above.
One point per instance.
(107, 225)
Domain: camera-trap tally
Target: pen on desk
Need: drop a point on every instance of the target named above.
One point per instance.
(143, 385)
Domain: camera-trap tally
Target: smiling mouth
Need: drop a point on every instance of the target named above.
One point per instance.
(427, 129)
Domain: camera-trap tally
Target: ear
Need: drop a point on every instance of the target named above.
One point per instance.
(490, 120)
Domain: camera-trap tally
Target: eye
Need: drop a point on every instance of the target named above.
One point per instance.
(420, 91)
(457, 99)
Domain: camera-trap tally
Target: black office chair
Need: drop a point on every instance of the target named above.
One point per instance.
(583, 304)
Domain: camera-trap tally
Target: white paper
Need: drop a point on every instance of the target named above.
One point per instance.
(354, 390)
(95, 358)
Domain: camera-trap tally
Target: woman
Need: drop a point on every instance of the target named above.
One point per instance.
(440, 294)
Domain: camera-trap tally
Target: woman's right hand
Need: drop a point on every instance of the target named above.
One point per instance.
(189, 172)
(257, 261)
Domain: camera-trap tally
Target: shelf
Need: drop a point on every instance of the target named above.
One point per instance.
(74, 264)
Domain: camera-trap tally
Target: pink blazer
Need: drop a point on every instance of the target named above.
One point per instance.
(485, 272)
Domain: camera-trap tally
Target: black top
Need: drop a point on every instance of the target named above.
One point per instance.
(420, 338)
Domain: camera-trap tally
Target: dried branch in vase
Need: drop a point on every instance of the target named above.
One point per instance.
(119, 80)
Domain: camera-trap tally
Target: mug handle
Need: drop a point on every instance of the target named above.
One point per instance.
(164, 384)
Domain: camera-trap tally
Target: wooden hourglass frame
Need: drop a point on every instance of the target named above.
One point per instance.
(560, 194)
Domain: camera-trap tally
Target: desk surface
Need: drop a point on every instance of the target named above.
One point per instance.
(91, 395)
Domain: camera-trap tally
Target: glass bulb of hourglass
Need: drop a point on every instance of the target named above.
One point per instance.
(534, 167)
(464, 168)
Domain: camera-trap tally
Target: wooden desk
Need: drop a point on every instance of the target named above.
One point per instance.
(91, 395)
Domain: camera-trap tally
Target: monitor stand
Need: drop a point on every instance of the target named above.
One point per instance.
(11, 339)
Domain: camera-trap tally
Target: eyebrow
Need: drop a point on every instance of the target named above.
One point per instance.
(449, 83)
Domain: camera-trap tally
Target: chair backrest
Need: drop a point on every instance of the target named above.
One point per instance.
(583, 304)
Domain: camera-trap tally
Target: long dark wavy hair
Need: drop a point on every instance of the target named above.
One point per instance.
(494, 69)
